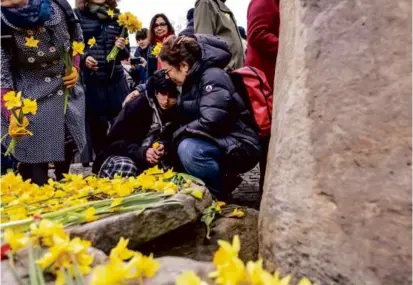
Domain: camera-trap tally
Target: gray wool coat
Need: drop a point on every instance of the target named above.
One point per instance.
(37, 73)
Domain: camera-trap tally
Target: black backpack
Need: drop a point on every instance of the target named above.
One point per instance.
(7, 32)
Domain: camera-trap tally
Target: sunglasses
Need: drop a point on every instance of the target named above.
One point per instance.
(159, 25)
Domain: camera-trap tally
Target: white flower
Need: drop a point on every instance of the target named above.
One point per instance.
(52, 49)
(48, 79)
(44, 64)
(31, 59)
(40, 53)
(58, 76)
(60, 92)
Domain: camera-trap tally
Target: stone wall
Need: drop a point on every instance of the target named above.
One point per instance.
(337, 200)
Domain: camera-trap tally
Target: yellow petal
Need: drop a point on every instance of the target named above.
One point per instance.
(188, 278)
(304, 281)
(31, 42)
(197, 194)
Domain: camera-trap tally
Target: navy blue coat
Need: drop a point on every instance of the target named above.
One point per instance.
(105, 91)
(211, 108)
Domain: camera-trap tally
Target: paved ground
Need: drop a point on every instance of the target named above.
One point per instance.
(246, 194)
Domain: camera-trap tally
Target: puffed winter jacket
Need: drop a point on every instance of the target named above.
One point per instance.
(210, 107)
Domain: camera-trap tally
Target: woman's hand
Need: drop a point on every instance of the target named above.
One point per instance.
(70, 80)
(154, 155)
(120, 43)
(91, 63)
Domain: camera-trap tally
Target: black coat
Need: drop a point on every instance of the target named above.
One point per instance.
(139, 124)
(105, 33)
(210, 107)
(189, 30)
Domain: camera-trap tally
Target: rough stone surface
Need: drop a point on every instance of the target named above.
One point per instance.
(139, 229)
(171, 267)
(190, 241)
(337, 198)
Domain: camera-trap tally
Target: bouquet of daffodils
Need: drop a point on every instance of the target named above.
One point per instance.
(129, 23)
(19, 108)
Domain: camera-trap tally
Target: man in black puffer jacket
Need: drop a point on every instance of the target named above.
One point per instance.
(106, 85)
(216, 140)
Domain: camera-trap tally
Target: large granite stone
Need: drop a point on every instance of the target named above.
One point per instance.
(337, 204)
(190, 240)
(144, 227)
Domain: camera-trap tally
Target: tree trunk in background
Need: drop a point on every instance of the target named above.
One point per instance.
(337, 204)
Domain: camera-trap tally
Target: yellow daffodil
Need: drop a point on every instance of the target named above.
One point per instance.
(281, 281)
(116, 202)
(304, 281)
(156, 145)
(257, 275)
(31, 42)
(127, 41)
(197, 194)
(112, 273)
(29, 106)
(237, 213)
(221, 204)
(78, 48)
(141, 266)
(227, 251)
(111, 13)
(91, 42)
(90, 214)
(130, 22)
(157, 49)
(46, 230)
(15, 239)
(189, 278)
(231, 273)
(169, 174)
(13, 100)
(121, 250)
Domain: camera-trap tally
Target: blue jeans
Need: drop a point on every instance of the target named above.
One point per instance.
(200, 158)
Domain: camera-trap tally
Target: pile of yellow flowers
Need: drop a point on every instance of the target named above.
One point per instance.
(50, 250)
(230, 270)
(117, 271)
(19, 108)
(77, 199)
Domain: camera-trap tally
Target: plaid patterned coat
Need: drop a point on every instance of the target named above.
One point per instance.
(38, 73)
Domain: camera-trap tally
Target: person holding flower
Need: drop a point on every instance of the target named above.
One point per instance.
(105, 81)
(140, 135)
(35, 33)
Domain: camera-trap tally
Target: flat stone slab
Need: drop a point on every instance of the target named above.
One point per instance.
(144, 227)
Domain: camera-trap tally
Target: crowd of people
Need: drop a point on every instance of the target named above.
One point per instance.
(177, 108)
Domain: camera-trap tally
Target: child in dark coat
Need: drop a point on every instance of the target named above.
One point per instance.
(144, 121)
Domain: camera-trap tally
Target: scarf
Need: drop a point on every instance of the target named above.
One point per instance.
(101, 11)
(34, 14)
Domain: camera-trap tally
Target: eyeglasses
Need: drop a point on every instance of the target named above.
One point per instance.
(159, 25)
(166, 72)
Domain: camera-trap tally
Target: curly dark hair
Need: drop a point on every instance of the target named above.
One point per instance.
(176, 50)
(82, 4)
(158, 83)
(152, 36)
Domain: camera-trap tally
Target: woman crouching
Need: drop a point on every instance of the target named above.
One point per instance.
(216, 140)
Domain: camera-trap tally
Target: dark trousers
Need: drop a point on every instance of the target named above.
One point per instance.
(38, 172)
(263, 161)
(98, 131)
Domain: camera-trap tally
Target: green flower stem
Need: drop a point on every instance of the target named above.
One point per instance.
(11, 147)
(67, 95)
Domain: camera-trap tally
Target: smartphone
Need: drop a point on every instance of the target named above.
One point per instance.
(137, 60)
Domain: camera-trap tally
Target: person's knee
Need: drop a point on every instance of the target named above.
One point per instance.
(187, 149)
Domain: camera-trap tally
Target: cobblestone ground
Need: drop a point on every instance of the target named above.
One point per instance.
(247, 193)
